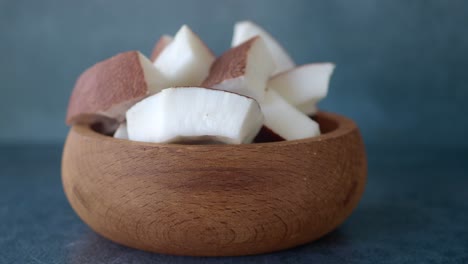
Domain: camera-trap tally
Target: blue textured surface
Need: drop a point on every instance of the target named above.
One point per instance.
(414, 210)
(401, 64)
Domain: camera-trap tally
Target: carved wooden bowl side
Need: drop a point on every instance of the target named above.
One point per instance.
(215, 200)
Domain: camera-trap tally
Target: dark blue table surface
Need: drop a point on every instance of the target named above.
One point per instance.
(414, 210)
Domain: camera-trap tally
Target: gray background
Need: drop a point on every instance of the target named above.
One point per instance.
(401, 65)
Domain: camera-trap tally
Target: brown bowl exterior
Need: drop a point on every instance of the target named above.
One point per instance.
(215, 200)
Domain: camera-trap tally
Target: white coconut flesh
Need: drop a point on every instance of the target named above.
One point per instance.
(245, 30)
(304, 86)
(194, 114)
(121, 131)
(186, 60)
(286, 120)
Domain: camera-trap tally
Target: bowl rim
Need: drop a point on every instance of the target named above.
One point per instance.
(344, 126)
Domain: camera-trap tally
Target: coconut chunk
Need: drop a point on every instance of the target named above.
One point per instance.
(109, 88)
(121, 131)
(284, 120)
(245, 30)
(186, 60)
(194, 115)
(160, 46)
(244, 70)
(304, 86)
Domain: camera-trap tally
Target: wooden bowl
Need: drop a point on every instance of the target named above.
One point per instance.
(215, 200)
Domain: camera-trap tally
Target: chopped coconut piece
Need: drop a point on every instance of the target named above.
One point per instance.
(160, 46)
(109, 88)
(244, 70)
(309, 108)
(186, 60)
(194, 114)
(245, 30)
(121, 131)
(304, 86)
(285, 120)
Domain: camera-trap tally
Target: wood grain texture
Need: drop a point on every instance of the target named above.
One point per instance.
(215, 200)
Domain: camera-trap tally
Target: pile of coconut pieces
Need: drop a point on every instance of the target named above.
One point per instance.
(185, 94)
